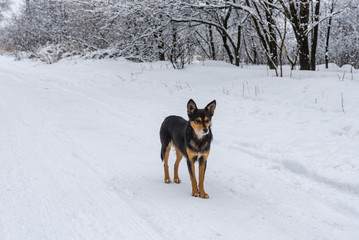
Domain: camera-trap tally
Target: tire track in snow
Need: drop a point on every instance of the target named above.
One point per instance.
(55, 166)
(293, 166)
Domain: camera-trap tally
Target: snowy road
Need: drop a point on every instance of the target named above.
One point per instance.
(79, 153)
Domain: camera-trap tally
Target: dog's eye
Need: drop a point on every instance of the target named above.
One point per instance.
(197, 121)
(207, 121)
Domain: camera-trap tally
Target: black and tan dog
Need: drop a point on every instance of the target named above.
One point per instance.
(191, 139)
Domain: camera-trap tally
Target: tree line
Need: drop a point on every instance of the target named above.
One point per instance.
(300, 33)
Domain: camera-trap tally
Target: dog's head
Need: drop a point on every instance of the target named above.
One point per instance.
(200, 119)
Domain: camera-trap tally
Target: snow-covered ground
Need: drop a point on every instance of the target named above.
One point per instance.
(80, 152)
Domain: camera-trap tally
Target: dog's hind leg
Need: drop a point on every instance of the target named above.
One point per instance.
(179, 156)
(166, 152)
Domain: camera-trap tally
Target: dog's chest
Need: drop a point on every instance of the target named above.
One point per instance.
(198, 147)
(197, 155)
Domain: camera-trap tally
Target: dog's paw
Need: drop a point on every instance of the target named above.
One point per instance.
(195, 194)
(204, 195)
(167, 180)
(177, 180)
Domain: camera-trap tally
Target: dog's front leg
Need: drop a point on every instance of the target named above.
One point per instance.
(192, 175)
(202, 170)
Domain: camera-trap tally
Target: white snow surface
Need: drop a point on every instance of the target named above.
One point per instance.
(80, 152)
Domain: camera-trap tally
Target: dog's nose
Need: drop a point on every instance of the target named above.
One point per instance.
(205, 130)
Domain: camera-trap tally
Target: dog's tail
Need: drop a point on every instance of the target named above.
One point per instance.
(165, 139)
(162, 154)
(164, 142)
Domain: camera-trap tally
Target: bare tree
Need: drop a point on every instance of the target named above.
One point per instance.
(264, 24)
(297, 12)
(227, 20)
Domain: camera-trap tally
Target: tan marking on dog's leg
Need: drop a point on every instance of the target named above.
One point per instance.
(195, 191)
(202, 193)
(179, 156)
(191, 155)
(167, 153)
(202, 170)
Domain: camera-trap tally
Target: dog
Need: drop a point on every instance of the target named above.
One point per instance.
(191, 139)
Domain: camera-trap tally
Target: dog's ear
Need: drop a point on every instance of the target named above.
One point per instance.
(211, 106)
(191, 107)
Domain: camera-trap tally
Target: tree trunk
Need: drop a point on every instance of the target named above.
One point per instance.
(161, 46)
(298, 15)
(224, 36)
(173, 56)
(315, 36)
(228, 49)
(255, 54)
(328, 35)
(304, 60)
(238, 47)
(211, 43)
(272, 36)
